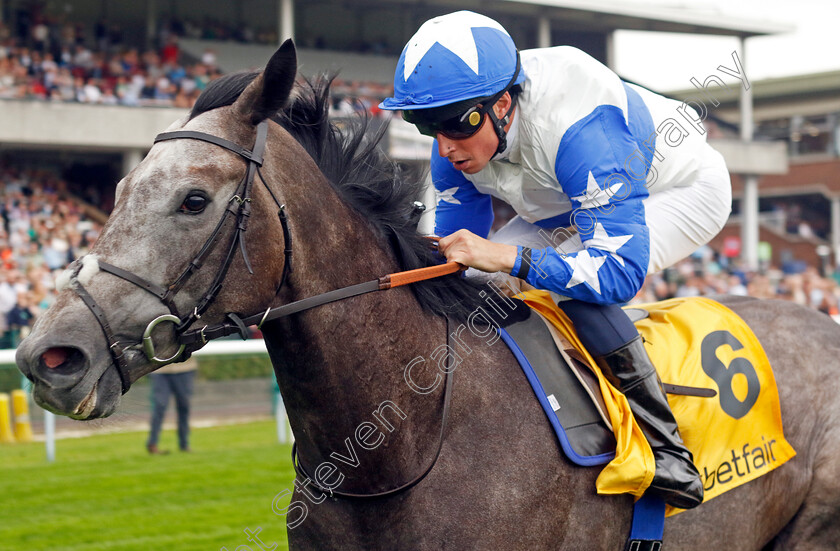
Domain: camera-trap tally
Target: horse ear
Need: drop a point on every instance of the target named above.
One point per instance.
(268, 93)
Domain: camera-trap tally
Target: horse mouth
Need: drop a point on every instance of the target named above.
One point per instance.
(87, 405)
(90, 407)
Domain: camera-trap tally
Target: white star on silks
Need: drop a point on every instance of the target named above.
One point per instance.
(449, 34)
(602, 240)
(585, 269)
(594, 195)
(448, 196)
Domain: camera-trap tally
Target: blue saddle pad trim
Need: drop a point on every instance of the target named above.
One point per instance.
(584, 461)
(648, 523)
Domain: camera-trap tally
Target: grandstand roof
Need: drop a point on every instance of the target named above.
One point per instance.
(778, 97)
(807, 86)
(610, 15)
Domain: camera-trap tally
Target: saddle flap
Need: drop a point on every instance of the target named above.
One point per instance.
(566, 399)
(580, 370)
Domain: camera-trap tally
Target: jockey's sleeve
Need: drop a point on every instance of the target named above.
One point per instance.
(459, 204)
(600, 167)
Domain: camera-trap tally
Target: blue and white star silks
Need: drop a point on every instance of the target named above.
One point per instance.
(586, 185)
(449, 33)
(585, 266)
(595, 196)
(459, 204)
(448, 196)
(600, 240)
(585, 269)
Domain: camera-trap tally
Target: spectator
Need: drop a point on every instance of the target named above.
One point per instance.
(173, 379)
(170, 52)
(19, 319)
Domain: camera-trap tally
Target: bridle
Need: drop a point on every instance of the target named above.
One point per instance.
(237, 213)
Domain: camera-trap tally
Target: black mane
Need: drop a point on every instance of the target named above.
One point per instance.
(350, 157)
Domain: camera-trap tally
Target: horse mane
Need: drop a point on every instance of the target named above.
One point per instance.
(364, 177)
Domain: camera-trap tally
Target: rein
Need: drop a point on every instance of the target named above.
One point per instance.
(390, 281)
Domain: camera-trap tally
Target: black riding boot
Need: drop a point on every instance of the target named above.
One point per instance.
(630, 370)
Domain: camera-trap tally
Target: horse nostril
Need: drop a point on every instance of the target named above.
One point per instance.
(56, 357)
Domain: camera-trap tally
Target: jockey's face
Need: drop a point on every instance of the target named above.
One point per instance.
(470, 155)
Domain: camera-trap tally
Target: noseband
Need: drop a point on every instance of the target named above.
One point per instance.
(236, 214)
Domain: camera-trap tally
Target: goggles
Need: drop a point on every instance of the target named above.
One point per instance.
(459, 127)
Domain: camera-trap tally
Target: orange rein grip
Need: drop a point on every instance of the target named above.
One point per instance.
(420, 274)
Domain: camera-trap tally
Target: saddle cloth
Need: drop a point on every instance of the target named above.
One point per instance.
(735, 436)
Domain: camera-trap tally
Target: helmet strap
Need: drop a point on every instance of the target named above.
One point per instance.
(499, 127)
(499, 124)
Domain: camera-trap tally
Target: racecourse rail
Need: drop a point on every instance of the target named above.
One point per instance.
(215, 348)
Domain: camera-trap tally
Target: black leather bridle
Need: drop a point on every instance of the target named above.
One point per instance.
(237, 213)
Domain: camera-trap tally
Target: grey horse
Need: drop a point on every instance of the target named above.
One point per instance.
(499, 480)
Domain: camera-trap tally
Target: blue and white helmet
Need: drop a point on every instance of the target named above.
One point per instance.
(452, 58)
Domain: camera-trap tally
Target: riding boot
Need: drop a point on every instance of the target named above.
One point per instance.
(630, 370)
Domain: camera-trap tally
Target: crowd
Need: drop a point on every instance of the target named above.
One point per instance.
(350, 97)
(706, 273)
(42, 230)
(57, 62)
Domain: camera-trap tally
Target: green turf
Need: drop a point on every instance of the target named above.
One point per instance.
(106, 493)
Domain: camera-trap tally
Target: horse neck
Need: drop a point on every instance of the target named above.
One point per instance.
(341, 365)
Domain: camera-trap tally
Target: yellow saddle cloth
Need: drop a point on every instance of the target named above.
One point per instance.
(735, 437)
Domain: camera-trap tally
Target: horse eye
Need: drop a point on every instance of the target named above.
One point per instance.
(193, 204)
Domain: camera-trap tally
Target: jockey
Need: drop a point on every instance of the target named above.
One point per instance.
(609, 181)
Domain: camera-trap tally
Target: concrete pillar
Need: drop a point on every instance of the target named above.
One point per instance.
(749, 221)
(131, 158)
(286, 24)
(831, 124)
(749, 204)
(835, 229)
(151, 22)
(611, 60)
(796, 123)
(544, 32)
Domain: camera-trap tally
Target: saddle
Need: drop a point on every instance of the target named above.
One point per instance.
(566, 386)
(720, 384)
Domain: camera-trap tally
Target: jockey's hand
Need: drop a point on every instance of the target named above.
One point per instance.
(476, 252)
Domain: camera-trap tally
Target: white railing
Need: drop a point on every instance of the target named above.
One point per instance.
(215, 348)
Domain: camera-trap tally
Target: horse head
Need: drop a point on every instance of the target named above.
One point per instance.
(192, 214)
